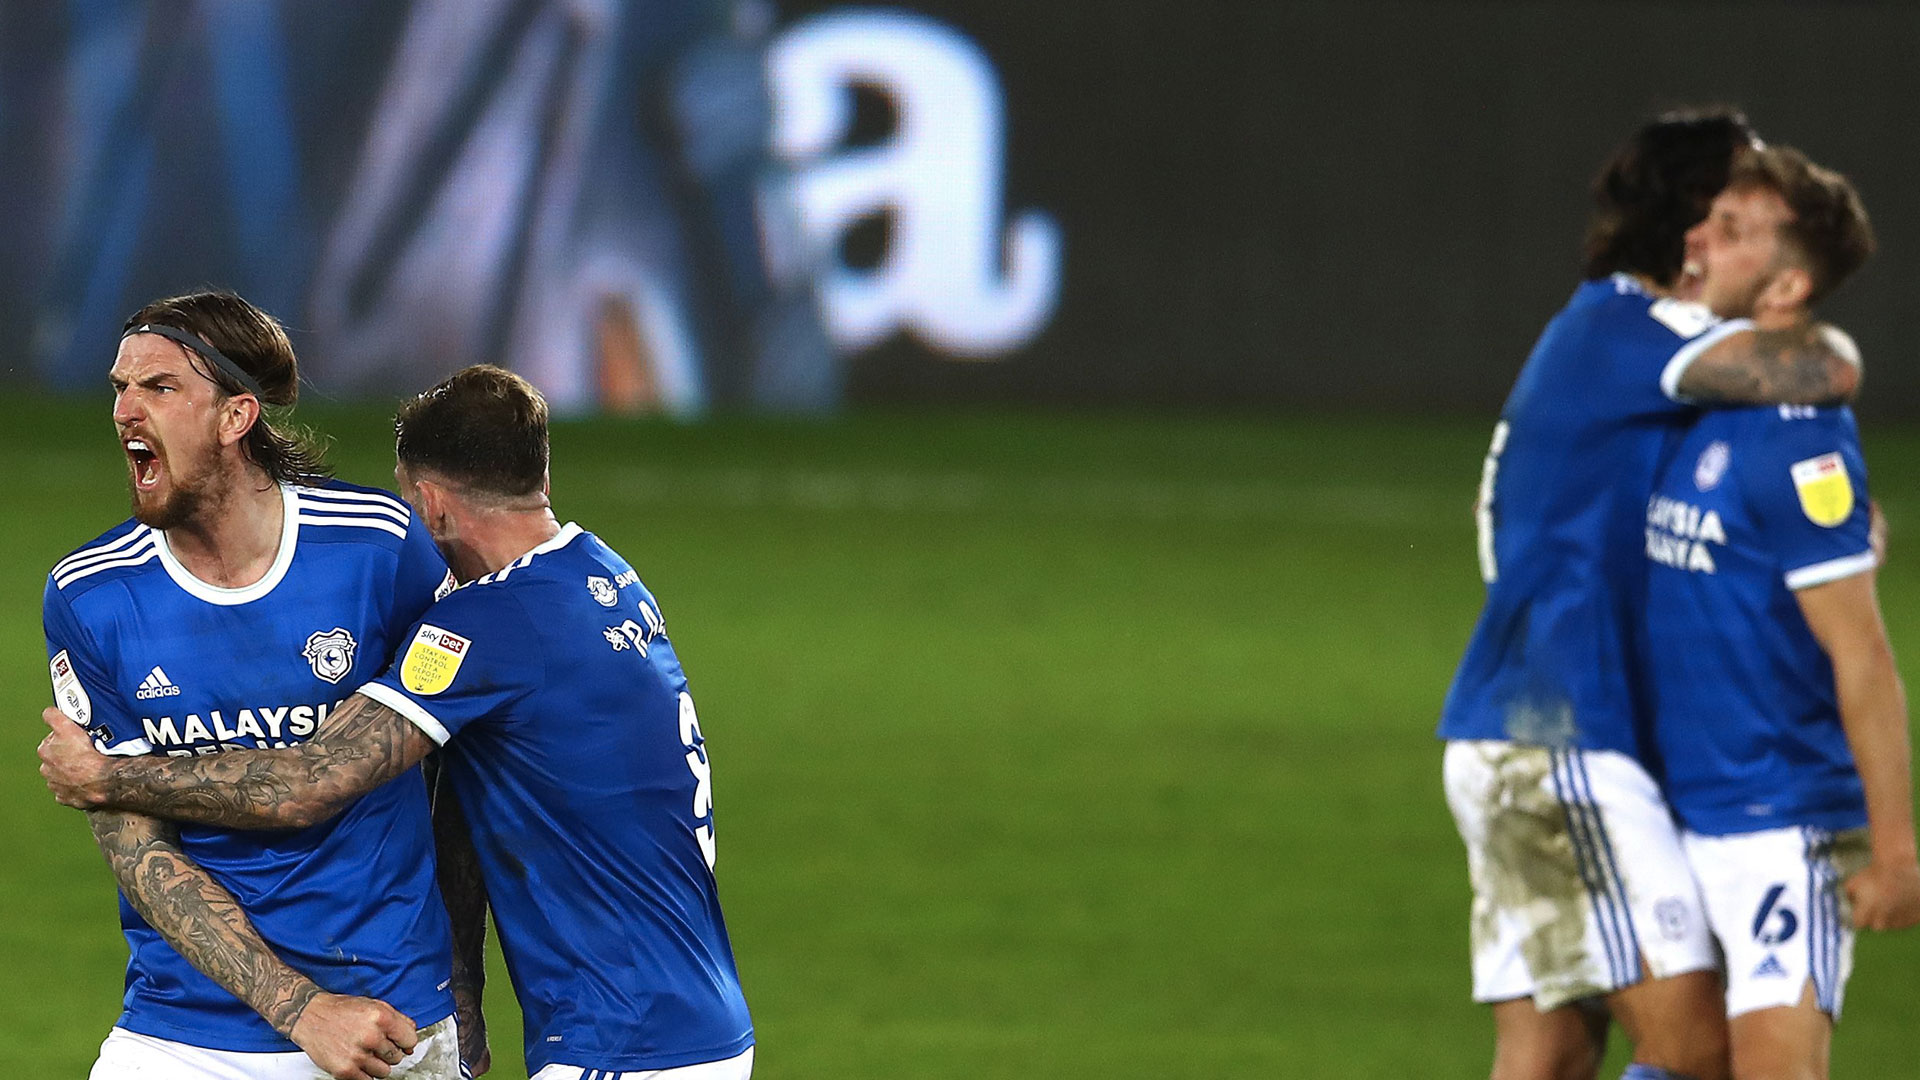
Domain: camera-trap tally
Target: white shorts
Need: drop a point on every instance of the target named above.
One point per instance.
(128, 1055)
(1578, 873)
(1777, 908)
(739, 1067)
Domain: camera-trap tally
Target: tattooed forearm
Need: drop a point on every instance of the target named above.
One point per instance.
(1807, 365)
(362, 745)
(465, 893)
(198, 917)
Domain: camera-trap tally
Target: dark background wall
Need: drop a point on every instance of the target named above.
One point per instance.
(1377, 205)
(1269, 206)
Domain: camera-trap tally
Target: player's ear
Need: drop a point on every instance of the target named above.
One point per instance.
(238, 414)
(1790, 288)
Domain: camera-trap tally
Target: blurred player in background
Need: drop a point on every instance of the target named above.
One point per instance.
(247, 596)
(1581, 890)
(1779, 716)
(571, 744)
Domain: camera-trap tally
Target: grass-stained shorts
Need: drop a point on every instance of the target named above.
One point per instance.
(127, 1055)
(1578, 873)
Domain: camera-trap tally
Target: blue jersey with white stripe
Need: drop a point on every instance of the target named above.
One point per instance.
(573, 747)
(154, 661)
(1755, 504)
(1577, 449)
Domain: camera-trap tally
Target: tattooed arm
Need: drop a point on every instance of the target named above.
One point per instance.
(1810, 364)
(361, 746)
(351, 1038)
(465, 894)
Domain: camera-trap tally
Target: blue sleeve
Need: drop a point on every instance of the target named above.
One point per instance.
(1652, 347)
(421, 578)
(1808, 484)
(81, 687)
(474, 656)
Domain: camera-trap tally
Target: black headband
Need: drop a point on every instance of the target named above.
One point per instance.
(207, 352)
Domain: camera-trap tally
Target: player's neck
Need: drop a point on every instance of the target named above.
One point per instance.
(1779, 318)
(496, 538)
(234, 540)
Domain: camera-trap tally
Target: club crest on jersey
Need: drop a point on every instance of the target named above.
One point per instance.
(330, 653)
(1826, 493)
(603, 591)
(432, 660)
(1712, 465)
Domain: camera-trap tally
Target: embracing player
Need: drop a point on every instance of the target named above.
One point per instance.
(1581, 891)
(572, 746)
(244, 601)
(1779, 715)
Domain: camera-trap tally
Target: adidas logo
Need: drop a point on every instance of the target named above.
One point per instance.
(156, 684)
(1770, 968)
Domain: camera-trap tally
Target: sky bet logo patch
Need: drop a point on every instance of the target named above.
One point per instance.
(432, 660)
(1826, 494)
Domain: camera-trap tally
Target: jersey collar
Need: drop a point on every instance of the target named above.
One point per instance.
(215, 594)
(555, 542)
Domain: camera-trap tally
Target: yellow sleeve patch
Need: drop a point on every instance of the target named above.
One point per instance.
(432, 660)
(1826, 492)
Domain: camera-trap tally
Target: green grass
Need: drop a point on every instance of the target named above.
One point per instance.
(1044, 747)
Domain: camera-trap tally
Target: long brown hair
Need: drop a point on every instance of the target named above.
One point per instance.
(258, 343)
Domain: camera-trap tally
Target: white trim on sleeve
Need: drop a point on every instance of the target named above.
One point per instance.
(1677, 367)
(1832, 570)
(409, 708)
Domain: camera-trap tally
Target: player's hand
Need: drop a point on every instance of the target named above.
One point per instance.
(1877, 532)
(354, 1038)
(75, 772)
(1886, 896)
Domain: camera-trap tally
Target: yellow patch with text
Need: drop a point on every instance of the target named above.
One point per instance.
(1826, 493)
(432, 660)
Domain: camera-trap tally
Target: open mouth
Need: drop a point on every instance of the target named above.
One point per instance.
(1692, 276)
(145, 464)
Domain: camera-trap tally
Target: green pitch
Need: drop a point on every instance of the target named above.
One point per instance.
(1043, 747)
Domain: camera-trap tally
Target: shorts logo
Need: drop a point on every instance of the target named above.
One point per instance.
(1774, 924)
(1671, 913)
(330, 653)
(1770, 968)
(603, 591)
(1712, 465)
(68, 692)
(432, 660)
(1826, 494)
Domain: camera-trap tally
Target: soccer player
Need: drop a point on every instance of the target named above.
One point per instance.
(245, 599)
(572, 747)
(1778, 713)
(1581, 891)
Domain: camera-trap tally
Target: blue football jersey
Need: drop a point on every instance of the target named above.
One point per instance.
(1755, 504)
(574, 749)
(154, 661)
(1574, 456)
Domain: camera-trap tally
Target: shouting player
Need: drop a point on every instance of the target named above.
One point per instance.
(1582, 894)
(572, 746)
(244, 601)
(1778, 712)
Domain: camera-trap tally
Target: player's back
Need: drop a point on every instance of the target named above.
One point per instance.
(575, 750)
(1579, 443)
(156, 661)
(1755, 504)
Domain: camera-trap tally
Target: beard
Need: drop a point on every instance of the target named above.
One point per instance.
(185, 497)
